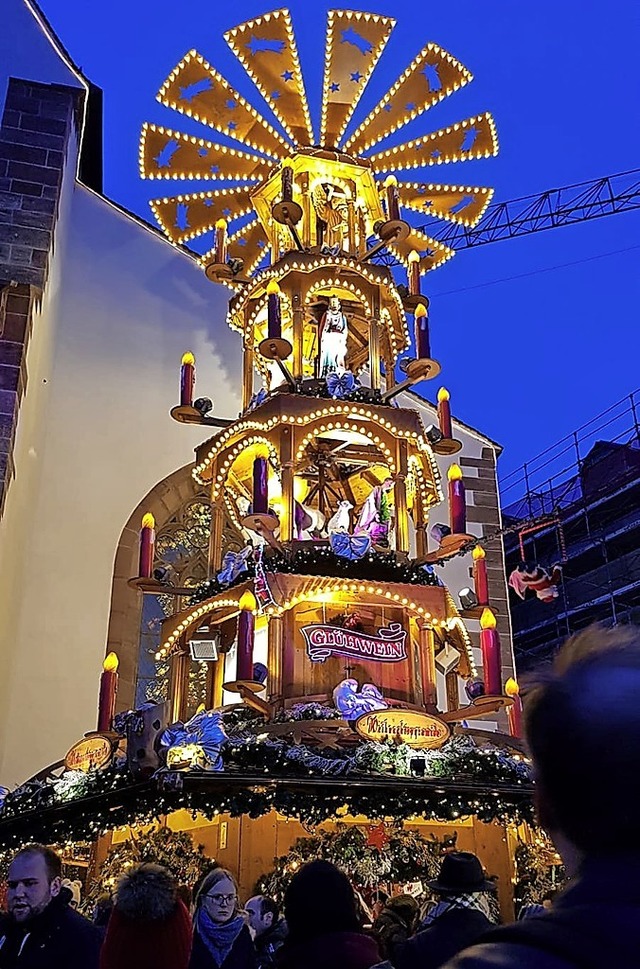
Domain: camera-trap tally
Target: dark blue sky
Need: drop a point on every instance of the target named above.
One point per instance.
(535, 335)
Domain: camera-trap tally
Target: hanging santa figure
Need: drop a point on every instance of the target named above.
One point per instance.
(531, 576)
(332, 335)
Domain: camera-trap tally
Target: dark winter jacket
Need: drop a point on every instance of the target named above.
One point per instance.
(337, 950)
(395, 924)
(241, 956)
(149, 927)
(57, 938)
(593, 924)
(449, 934)
(268, 944)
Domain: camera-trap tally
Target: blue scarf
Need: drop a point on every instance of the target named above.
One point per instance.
(218, 937)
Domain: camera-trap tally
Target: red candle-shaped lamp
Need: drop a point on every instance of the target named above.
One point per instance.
(414, 273)
(423, 343)
(246, 631)
(220, 242)
(393, 205)
(491, 659)
(480, 581)
(187, 379)
(147, 546)
(444, 413)
(274, 317)
(260, 487)
(514, 712)
(108, 691)
(287, 183)
(457, 501)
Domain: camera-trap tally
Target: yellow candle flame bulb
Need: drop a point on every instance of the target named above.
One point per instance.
(188, 357)
(201, 708)
(487, 619)
(454, 473)
(478, 552)
(247, 602)
(111, 663)
(420, 311)
(414, 256)
(148, 521)
(221, 224)
(272, 288)
(390, 180)
(443, 394)
(511, 687)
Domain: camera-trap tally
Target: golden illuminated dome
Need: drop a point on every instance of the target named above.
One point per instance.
(336, 178)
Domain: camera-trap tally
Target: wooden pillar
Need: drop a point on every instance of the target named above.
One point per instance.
(298, 332)
(288, 655)
(274, 662)
(178, 684)
(287, 511)
(400, 491)
(428, 665)
(247, 376)
(422, 543)
(218, 680)
(453, 692)
(215, 537)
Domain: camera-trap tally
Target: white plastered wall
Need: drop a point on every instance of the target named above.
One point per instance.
(95, 435)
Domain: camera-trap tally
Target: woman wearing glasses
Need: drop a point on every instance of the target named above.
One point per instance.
(221, 938)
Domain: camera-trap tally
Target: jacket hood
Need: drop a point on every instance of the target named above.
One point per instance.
(353, 949)
(146, 893)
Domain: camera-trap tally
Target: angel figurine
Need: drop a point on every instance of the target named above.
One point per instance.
(332, 333)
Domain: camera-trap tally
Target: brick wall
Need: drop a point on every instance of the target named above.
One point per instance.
(37, 123)
(480, 483)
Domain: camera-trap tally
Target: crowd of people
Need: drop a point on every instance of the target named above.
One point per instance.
(582, 726)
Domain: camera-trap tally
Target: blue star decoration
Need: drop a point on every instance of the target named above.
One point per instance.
(203, 151)
(232, 126)
(163, 159)
(260, 45)
(231, 104)
(214, 169)
(356, 76)
(432, 77)
(334, 87)
(410, 106)
(287, 76)
(208, 202)
(262, 244)
(226, 212)
(468, 139)
(193, 90)
(435, 153)
(242, 242)
(274, 95)
(388, 107)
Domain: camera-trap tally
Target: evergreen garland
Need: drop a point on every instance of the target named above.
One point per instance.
(405, 857)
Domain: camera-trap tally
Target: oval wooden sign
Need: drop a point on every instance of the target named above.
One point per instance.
(411, 727)
(89, 754)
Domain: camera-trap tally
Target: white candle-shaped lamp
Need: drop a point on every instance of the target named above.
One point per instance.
(147, 546)
(220, 242)
(187, 379)
(413, 273)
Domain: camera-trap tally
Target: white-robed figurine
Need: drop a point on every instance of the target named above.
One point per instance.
(332, 334)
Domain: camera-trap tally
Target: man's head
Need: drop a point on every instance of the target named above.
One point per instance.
(263, 913)
(35, 878)
(582, 725)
